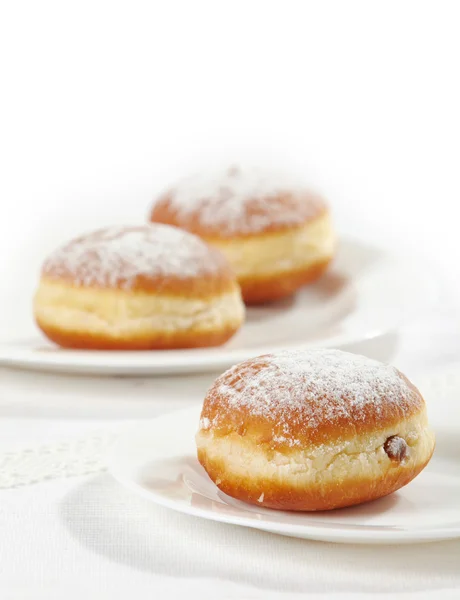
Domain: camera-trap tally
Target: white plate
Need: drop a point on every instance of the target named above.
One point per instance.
(365, 294)
(157, 460)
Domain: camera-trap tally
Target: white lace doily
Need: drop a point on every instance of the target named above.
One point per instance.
(55, 461)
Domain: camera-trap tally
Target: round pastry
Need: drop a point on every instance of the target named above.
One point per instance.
(138, 288)
(313, 430)
(277, 235)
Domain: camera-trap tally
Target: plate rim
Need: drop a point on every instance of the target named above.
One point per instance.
(311, 532)
(30, 358)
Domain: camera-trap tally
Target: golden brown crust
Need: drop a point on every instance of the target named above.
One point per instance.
(199, 287)
(269, 289)
(85, 317)
(273, 265)
(319, 415)
(147, 258)
(313, 498)
(161, 340)
(309, 207)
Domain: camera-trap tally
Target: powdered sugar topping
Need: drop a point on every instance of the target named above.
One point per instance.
(309, 389)
(119, 255)
(243, 201)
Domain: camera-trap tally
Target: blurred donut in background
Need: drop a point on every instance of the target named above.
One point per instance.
(138, 288)
(277, 235)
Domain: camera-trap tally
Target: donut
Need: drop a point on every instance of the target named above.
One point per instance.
(276, 234)
(313, 430)
(138, 288)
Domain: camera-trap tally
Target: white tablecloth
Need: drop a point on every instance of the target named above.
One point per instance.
(87, 537)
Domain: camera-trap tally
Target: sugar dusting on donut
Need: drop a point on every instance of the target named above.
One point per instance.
(238, 201)
(308, 389)
(119, 255)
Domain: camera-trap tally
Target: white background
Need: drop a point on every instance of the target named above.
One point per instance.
(103, 103)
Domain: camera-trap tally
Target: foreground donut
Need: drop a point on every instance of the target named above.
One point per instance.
(276, 236)
(311, 431)
(138, 288)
